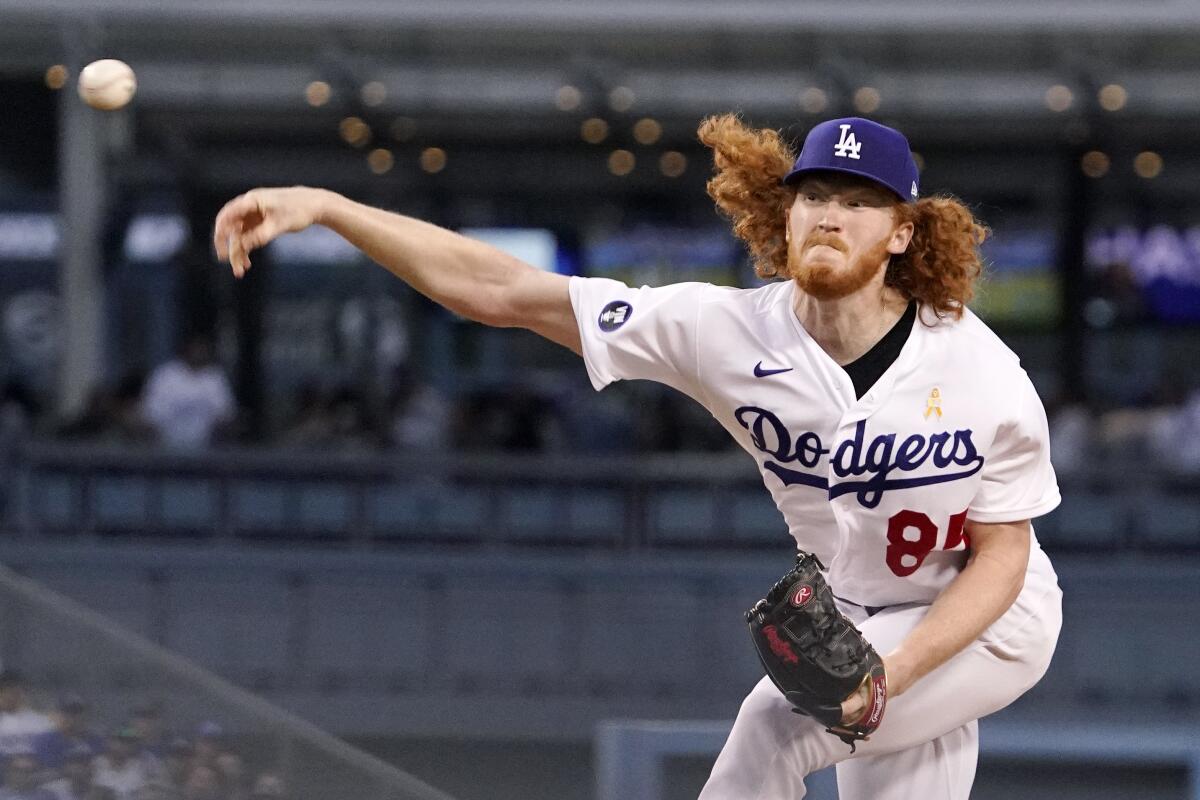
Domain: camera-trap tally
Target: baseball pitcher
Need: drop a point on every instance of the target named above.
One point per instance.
(900, 438)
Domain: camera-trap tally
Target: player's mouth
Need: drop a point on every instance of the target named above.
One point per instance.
(824, 254)
(816, 239)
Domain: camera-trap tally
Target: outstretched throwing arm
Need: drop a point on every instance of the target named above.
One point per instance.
(468, 277)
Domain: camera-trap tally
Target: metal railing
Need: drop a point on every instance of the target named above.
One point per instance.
(376, 499)
(613, 502)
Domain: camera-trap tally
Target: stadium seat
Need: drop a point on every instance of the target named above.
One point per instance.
(756, 519)
(533, 513)
(121, 503)
(596, 515)
(1085, 519)
(325, 507)
(462, 510)
(190, 504)
(54, 500)
(683, 515)
(1168, 520)
(260, 505)
(400, 509)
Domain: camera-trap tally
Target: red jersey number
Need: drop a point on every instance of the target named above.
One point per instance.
(912, 536)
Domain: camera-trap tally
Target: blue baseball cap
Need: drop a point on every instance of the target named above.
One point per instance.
(860, 147)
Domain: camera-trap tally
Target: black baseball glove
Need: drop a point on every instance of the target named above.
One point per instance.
(815, 655)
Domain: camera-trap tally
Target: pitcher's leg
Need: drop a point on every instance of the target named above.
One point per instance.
(769, 751)
(941, 769)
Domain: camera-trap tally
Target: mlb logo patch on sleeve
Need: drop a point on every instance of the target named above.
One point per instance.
(614, 315)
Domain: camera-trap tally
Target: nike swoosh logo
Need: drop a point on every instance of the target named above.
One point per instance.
(759, 372)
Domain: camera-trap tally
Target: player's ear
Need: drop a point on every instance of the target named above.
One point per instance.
(900, 238)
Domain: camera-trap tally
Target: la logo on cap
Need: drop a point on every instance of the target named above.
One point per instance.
(847, 146)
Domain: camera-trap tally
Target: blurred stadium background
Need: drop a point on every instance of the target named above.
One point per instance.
(251, 517)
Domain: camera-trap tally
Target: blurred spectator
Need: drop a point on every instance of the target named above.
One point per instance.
(509, 418)
(232, 771)
(78, 777)
(158, 791)
(203, 783)
(20, 725)
(1175, 435)
(1072, 430)
(21, 778)
(1148, 429)
(112, 416)
(1116, 297)
(188, 400)
(210, 743)
(348, 413)
(669, 422)
(328, 421)
(177, 762)
(17, 410)
(268, 786)
(52, 746)
(311, 424)
(120, 768)
(419, 415)
(600, 422)
(147, 722)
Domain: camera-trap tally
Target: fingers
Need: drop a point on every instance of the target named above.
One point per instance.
(239, 262)
(260, 235)
(230, 219)
(856, 703)
(233, 240)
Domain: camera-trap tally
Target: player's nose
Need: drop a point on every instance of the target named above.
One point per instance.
(828, 218)
(829, 224)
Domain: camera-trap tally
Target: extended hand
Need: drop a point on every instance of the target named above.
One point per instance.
(253, 219)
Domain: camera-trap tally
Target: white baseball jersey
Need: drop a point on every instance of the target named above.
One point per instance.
(879, 488)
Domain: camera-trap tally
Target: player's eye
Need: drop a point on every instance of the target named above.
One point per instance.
(813, 197)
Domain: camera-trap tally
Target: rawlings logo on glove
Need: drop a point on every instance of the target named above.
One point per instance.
(815, 655)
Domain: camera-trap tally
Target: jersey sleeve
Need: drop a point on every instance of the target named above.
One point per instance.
(1018, 480)
(649, 333)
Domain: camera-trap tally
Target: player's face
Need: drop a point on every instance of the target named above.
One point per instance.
(842, 230)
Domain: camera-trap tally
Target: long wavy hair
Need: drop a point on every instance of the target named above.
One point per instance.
(942, 262)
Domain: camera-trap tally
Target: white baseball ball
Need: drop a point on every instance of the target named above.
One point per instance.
(107, 84)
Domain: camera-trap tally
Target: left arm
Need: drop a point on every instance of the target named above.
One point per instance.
(982, 592)
(1017, 483)
(977, 597)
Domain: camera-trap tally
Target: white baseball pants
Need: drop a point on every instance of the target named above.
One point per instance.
(927, 745)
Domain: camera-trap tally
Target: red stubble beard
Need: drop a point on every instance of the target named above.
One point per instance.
(827, 282)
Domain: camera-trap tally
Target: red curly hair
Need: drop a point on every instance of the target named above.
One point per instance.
(942, 262)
